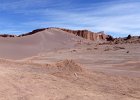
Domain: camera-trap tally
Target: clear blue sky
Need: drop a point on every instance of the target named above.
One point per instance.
(115, 17)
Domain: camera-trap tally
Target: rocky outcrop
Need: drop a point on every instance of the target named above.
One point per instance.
(7, 35)
(109, 38)
(33, 32)
(26, 34)
(128, 39)
(87, 34)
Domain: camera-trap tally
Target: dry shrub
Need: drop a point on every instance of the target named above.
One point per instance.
(89, 48)
(68, 66)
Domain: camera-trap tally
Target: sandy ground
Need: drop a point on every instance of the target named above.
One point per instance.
(107, 58)
(85, 71)
(64, 80)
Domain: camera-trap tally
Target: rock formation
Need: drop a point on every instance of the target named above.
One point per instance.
(7, 35)
(109, 38)
(87, 34)
(33, 32)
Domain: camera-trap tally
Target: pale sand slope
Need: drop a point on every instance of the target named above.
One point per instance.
(63, 80)
(47, 40)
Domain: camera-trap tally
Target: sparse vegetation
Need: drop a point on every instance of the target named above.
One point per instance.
(127, 52)
(118, 48)
(110, 38)
(74, 51)
(129, 37)
(7, 35)
(33, 32)
(95, 48)
(89, 48)
(107, 48)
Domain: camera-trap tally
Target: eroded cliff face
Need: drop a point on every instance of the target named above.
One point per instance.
(88, 34)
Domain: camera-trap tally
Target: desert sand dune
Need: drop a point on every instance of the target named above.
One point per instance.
(47, 40)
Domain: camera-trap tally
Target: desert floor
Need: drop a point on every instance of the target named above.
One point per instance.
(86, 72)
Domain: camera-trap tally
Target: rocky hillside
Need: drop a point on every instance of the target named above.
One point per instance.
(126, 40)
(129, 39)
(87, 34)
(33, 32)
(7, 35)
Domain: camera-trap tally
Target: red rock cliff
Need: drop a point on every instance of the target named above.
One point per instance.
(88, 34)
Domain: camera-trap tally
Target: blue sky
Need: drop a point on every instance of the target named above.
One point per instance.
(115, 17)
